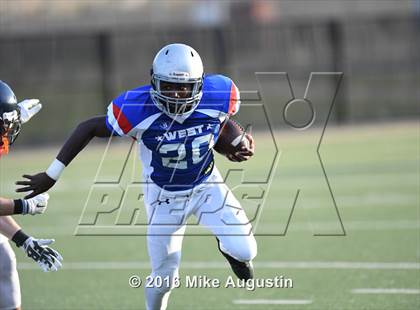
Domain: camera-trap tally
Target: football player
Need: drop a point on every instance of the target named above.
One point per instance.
(12, 115)
(176, 121)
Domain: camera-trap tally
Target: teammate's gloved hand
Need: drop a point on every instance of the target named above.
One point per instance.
(38, 184)
(29, 108)
(37, 249)
(36, 205)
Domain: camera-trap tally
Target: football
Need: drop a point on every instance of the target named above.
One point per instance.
(231, 138)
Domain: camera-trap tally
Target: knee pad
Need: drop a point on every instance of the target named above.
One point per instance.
(243, 249)
(242, 269)
(163, 278)
(248, 253)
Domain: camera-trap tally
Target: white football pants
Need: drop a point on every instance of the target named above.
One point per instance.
(214, 206)
(9, 280)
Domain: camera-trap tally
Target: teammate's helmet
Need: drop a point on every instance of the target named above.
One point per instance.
(10, 123)
(177, 63)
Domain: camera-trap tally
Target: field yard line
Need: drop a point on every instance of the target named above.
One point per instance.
(220, 265)
(339, 265)
(269, 228)
(385, 291)
(349, 225)
(272, 301)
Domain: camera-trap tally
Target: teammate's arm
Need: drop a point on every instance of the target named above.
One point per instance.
(36, 205)
(47, 258)
(81, 136)
(7, 206)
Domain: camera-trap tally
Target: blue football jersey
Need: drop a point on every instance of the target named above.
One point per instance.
(176, 153)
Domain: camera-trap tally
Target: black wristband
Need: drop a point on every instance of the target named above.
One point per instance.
(18, 209)
(19, 238)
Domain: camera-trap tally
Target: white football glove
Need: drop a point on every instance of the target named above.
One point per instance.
(29, 108)
(36, 205)
(37, 249)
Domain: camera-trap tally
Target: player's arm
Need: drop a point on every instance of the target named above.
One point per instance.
(37, 249)
(36, 205)
(81, 136)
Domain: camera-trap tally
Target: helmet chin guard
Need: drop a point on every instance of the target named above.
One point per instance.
(177, 63)
(10, 123)
(10, 126)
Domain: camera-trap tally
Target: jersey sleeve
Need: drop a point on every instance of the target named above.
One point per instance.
(234, 101)
(117, 119)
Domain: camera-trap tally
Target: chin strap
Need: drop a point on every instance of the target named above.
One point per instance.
(4, 147)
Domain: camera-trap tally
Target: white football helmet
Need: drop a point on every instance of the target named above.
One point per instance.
(177, 63)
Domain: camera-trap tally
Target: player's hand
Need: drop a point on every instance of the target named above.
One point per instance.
(29, 108)
(38, 184)
(37, 249)
(246, 152)
(36, 205)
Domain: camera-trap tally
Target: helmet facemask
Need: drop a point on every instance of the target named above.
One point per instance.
(10, 126)
(167, 100)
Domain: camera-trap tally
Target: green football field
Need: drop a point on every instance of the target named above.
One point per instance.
(374, 263)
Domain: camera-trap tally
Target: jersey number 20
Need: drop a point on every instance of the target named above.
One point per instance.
(180, 162)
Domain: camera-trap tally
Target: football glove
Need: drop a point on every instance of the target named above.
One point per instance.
(36, 205)
(47, 258)
(38, 183)
(29, 108)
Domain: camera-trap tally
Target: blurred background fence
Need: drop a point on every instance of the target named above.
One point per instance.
(76, 56)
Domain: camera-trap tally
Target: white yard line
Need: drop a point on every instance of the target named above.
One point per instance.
(272, 301)
(338, 265)
(385, 291)
(350, 226)
(221, 265)
(266, 228)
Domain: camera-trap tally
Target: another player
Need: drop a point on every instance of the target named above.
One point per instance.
(176, 121)
(12, 115)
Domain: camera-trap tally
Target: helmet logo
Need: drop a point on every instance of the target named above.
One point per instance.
(179, 74)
